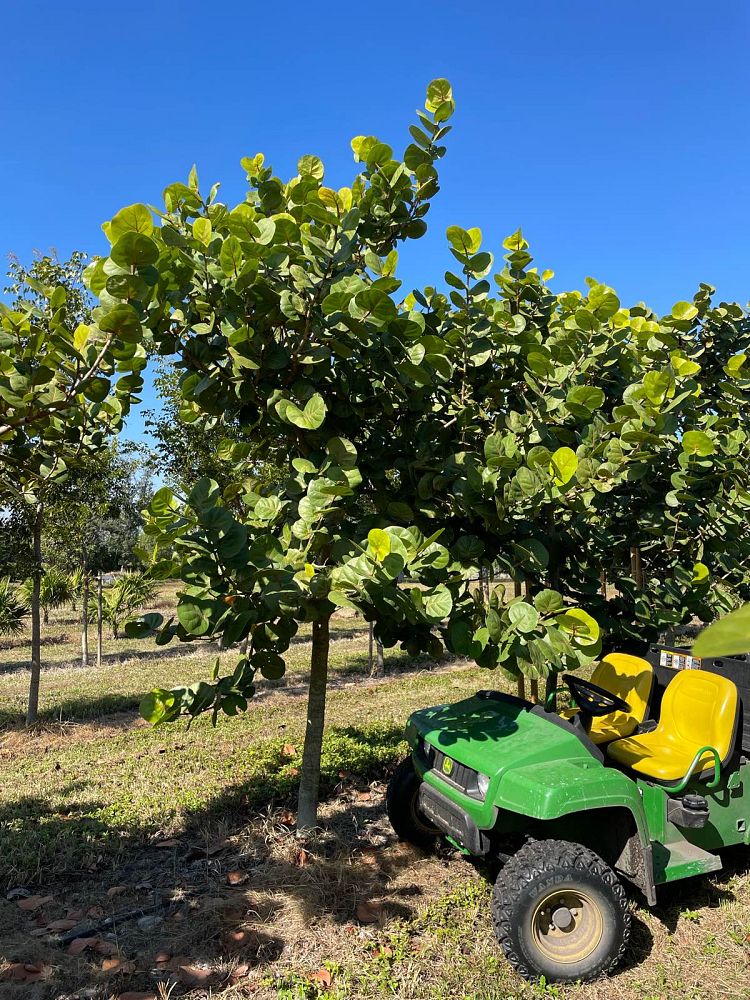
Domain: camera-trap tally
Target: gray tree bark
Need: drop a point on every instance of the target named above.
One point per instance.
(307, 808)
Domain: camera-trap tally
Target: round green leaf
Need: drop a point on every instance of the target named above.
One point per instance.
(684, 311)
(563, 465)
(342, 452)
(579, 624)
(523, 616)
(311, 166)
(192, 617)
(438, 603)
(697, 443)
(132, 219)
(134, 250)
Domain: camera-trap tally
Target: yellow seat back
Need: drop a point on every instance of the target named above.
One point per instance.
(699, 709)
(630, 678)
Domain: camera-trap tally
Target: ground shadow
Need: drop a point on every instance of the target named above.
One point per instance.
(205, 916)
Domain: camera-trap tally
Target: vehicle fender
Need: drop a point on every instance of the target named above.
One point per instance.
(552, 789)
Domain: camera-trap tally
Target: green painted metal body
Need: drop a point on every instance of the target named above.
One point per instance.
(539, 770)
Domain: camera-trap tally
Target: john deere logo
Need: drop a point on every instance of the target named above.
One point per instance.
(447, 765)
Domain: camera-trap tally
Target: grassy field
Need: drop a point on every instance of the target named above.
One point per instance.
(184, 837)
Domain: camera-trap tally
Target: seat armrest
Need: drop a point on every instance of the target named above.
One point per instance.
(713, 783)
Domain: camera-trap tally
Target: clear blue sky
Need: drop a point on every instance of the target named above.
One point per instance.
(615, 132)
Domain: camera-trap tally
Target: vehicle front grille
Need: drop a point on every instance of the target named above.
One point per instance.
(460, 775)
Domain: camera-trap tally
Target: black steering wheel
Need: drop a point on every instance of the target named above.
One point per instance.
(593, 700)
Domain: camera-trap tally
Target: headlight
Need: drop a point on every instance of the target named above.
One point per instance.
(483, 784)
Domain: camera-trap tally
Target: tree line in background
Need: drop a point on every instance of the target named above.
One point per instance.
(70, 498)
(330, 442)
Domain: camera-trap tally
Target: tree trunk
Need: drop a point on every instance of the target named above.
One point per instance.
(550, 688)
(307, 811)
(36, 623)
(85, 620)
(377, 666)
(99, 620)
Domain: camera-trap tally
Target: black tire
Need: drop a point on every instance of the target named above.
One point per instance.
(550, 891)
(403, 812)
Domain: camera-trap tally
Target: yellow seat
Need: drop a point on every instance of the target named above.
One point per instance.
(630, 678)
(698, 709)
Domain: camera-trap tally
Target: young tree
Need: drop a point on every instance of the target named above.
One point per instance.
(59, 398)
(281, 316)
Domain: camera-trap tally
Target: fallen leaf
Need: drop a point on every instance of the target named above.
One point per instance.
(166, 843)
(80, 945)
(111, 964)
(301, 858)
(289, 750)
(323, 976)
(34, 902)
(61, 925)
(24, 972)
(287, 818)
(162, 956)
(369, 913)
(95, 912)
(238, 972)
(135, 995)
(369, 857)
(236, 877)
(239, 938)
(105, 947)
(194, 975)
(74, 915)
(116, 890)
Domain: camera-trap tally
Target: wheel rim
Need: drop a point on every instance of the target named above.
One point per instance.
(567, 926)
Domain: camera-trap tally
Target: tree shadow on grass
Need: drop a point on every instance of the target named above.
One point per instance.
(278, 885)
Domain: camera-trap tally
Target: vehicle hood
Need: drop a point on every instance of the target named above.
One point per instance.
(492, 736)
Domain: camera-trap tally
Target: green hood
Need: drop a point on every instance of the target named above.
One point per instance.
(494, 736)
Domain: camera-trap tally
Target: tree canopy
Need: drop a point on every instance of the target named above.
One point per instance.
(423, 436)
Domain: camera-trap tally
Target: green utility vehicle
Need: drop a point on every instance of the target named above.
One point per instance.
(644, 779)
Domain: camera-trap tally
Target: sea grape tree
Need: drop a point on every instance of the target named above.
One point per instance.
(66, 383)
(280, 312)
(574, 431)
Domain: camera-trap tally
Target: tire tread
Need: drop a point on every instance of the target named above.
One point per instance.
(534, 859)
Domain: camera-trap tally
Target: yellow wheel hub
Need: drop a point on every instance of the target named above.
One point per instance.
(567, 926)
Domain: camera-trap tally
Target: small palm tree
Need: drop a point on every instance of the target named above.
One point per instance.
(128, 594)
(13, 609)
(55, 590)
(76, 582)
